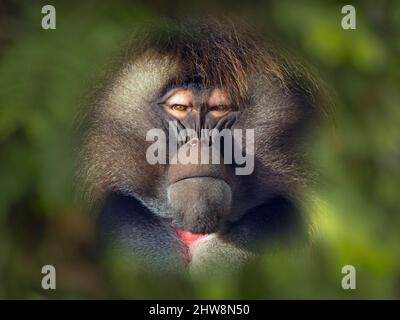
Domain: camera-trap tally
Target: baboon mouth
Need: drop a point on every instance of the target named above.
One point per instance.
(199, 178)
(199, 204)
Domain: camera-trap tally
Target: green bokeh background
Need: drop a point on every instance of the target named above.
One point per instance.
(45, 76)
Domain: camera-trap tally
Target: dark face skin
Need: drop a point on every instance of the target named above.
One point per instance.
(199, 195)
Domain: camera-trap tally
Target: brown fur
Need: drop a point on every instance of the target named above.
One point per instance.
(275, 98)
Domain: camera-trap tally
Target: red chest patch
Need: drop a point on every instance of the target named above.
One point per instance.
(189, 240)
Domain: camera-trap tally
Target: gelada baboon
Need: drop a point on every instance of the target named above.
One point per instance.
(178, 215)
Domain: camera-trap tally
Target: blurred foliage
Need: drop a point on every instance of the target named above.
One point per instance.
(45, 75)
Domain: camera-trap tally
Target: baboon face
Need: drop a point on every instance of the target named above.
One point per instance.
(197, 85)
(199, 191)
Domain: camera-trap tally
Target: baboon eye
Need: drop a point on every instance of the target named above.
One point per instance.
(178, 103)
(219, 110)
(178, 111)
(180, 108)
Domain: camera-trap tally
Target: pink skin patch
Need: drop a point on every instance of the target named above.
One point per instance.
(189, 240)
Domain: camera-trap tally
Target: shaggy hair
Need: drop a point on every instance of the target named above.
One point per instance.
(211, 54)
